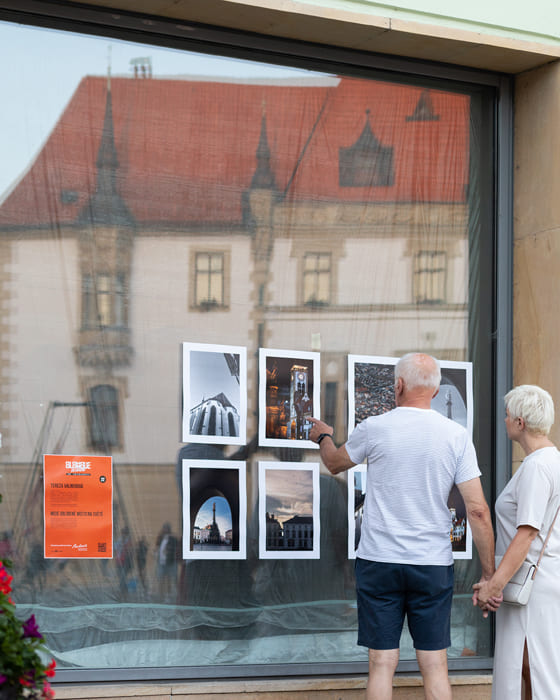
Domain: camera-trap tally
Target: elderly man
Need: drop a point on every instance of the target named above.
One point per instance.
(404, 563)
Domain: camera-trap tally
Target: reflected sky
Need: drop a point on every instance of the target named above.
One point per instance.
(46, 66)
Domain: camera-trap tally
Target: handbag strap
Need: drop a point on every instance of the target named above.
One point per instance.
(545, 543)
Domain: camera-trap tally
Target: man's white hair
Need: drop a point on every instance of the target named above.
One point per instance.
(416, 374)
(534, 405)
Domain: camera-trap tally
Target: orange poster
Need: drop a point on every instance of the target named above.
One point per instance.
(78, 506)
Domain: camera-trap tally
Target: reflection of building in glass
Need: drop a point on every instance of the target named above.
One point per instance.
(215, 416)
(115, 246)
(130, 211)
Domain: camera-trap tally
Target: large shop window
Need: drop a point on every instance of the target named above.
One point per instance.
(191, 247)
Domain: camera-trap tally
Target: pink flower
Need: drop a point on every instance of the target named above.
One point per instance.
(3, 679)
(48, 692)
(5, 580)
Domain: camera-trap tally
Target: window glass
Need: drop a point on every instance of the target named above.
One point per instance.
(430, 269)
(155, 197)
(104, 418)
(317, 278)
(209, 279)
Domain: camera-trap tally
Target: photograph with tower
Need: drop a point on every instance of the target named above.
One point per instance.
(289, 394)
(214, 394)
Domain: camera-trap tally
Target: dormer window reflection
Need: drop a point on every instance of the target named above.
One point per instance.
(367, 163)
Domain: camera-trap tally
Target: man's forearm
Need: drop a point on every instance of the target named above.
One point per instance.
(483, 537)
(331, 456)
(335, 458)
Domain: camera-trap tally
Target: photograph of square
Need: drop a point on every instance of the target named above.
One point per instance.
(289, 525)
(214, 509)
(371, 392)
(214, 394)
(289, 393)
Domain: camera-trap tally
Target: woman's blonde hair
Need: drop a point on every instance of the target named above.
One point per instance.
(534, 405)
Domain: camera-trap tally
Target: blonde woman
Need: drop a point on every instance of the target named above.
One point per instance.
(527, 651)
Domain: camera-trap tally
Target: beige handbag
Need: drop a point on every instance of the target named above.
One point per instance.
(518, 589)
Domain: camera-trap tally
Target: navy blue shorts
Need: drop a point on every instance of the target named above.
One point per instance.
(389, 592)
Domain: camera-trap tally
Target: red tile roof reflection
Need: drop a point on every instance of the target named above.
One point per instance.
(186, 149)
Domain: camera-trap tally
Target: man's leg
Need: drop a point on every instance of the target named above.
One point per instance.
(382, 667)
(433, 667)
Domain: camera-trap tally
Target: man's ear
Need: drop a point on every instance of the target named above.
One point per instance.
(436, 393)
(399, 386)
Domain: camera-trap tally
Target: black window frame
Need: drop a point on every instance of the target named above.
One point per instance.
(492, 88)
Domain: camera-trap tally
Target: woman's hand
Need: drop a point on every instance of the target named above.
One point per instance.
(487, 596)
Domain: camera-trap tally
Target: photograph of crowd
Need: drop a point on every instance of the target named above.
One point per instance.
(289, 510)
(288, 396)
(214, 509)
(214, 394)
(371, 389)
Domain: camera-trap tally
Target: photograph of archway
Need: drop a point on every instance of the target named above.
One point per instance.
(289, 394)
(214, 394)
(289, 524)
(371, 392)
(214, 509)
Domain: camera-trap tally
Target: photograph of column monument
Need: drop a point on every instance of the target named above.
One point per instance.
(214, 509)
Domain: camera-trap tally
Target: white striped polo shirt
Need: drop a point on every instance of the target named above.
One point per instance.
(414, 457)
